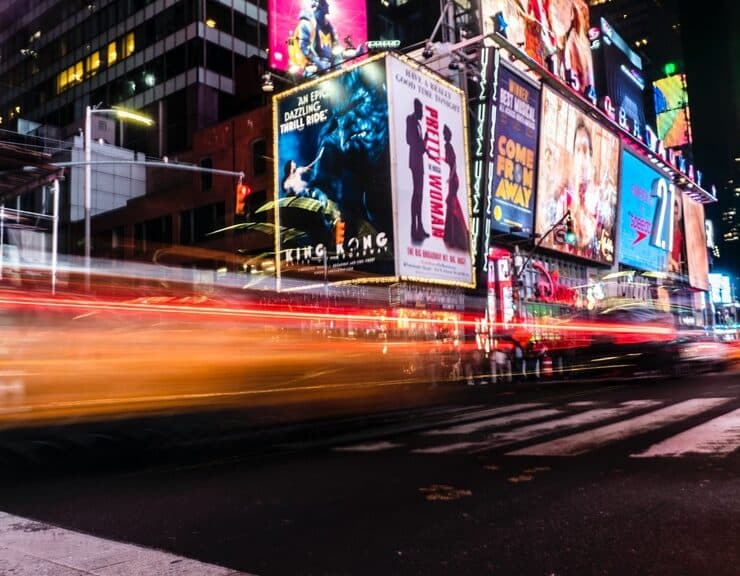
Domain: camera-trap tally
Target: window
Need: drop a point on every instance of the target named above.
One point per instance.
(112, 53)
(129, 45)
(92, 63)
(158, 231)
(208, 219)
(259, 157)
(206, 178)
(255, 201)
(186, 227)
(219, 60)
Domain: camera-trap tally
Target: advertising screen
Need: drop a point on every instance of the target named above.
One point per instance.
(554, 33)
(513, 153)
(650, 218)
(309, 36)
(696, 243)
(430, 176)
(720, 287)
(332, 172)
(672, 111)
(577, 172)
(618, 72)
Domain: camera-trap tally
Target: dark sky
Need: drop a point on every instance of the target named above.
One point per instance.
(712, 64)
(712, 82)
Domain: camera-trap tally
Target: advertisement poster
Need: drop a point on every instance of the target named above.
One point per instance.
(649, 212)
(577, 172)
(307, 37)
(619, 76)
(332, 172)
(430, 177)
(513, 154)
(696, 243)
(554, 33)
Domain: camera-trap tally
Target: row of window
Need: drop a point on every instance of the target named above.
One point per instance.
(87, 68)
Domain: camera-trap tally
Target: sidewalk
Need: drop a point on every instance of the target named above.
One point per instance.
(30, 548)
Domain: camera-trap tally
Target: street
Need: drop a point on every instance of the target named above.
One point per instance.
(600, 478)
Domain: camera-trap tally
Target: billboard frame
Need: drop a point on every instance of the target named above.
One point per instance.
(464, 165)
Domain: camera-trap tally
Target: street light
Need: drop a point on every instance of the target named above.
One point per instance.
(89, 111)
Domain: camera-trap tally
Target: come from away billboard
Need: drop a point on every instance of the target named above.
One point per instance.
(513, 154)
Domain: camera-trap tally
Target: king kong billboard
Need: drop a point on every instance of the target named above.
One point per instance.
(371, 176)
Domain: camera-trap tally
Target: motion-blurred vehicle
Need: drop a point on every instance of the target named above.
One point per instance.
(702, 353)
(632, 339)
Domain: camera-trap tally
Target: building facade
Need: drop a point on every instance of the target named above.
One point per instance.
(176, 60)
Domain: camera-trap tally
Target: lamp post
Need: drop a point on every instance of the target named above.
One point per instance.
(89, 111)
(570, 238)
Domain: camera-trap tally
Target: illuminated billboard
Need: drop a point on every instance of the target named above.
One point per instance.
(513, 153)
(430, 176)
(721, 288)
(577, 172)
(618, 71)
(371, 176)
(696, 243)
(332, 172)
(650, 235)
(311, 36)
(672, 111)
(553, 33)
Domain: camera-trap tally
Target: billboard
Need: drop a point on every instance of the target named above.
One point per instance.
(696, 243)
(577, 172)
(554, 33)
(672, 111)
(650, 215)
(721, 288)
(332, 173)
(618, 71)
(430, 176)
(513, 153)
(310, 36)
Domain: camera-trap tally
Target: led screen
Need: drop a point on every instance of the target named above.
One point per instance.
(619, 75)
(672, 111)
(696, 243)
(650, 218)
(513, 152)
(430, 176)
(577, 172)
(554, 33)
(312, 36)
(332, 173)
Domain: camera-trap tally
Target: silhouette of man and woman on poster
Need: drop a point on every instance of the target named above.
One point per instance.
(456, 234)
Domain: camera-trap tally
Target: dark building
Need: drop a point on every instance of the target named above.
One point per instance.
(176, 60)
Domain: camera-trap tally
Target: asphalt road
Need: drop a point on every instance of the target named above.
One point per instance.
(609, 478)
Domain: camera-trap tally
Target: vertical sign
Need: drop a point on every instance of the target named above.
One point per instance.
(481, 191)
(513, 153)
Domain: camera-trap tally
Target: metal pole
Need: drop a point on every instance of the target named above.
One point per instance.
(54, 235)
(87, 185)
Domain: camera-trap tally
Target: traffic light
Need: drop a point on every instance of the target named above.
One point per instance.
(669, 68)
(339, 232)
(242, 191)
(570, 235)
